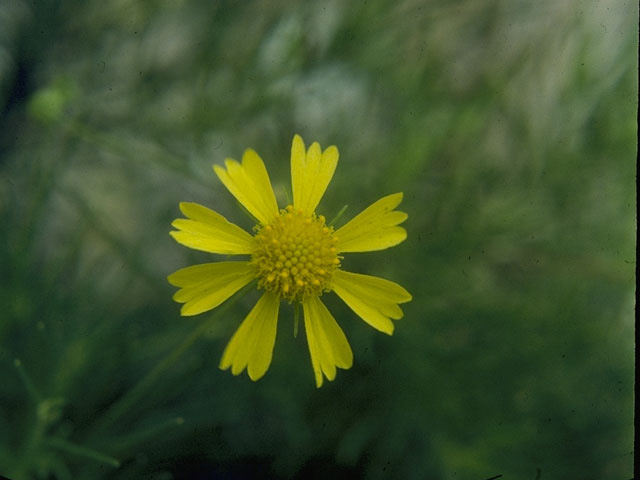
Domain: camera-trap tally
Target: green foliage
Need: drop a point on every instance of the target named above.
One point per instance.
(509, 126)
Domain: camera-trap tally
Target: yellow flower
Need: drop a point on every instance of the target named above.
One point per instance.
(294, 256)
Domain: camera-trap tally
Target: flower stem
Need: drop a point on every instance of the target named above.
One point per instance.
(26, 379)
(128, 442)
(79, 450)
(129, 399)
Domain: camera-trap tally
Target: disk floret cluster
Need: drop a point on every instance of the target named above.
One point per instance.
(296, 255)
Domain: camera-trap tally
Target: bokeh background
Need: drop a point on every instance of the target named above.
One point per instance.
(510, 126)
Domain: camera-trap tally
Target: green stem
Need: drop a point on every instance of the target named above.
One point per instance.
(118, 245)
(129, 399)
(32, 444)
(129, 150)
(26, 379)
(79, 450)
(127, 442)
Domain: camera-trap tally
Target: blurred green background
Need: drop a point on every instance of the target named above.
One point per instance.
(509, 125)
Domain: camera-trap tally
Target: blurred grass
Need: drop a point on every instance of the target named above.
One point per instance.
(511, 129)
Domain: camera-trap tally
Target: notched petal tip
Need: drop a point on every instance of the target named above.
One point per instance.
(314, 150)
(402, 235)
(397, 217)
(251, 346)
(373, 299)
(407, 297)
(249, 183)
(298, 149)
(328, 345)
(187, 311)
(330, 152)
(375, 228)
(225, 363)
(231, 163)
(186, 207)
(252, 161)
(392, 201)
(249, 152)
(172, 278)
(255, 375)
(311, 173)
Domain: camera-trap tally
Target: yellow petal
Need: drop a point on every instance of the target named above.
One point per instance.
(298, 161)
(311, 173)
(328, 345)
(373, 299)
(249, 183)
(375, 228)
(252, 344)
(209, 231)
(205, 286)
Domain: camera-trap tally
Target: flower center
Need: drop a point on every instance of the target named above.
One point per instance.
(295, 255)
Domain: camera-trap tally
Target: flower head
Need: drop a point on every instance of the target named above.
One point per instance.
(294, 256)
